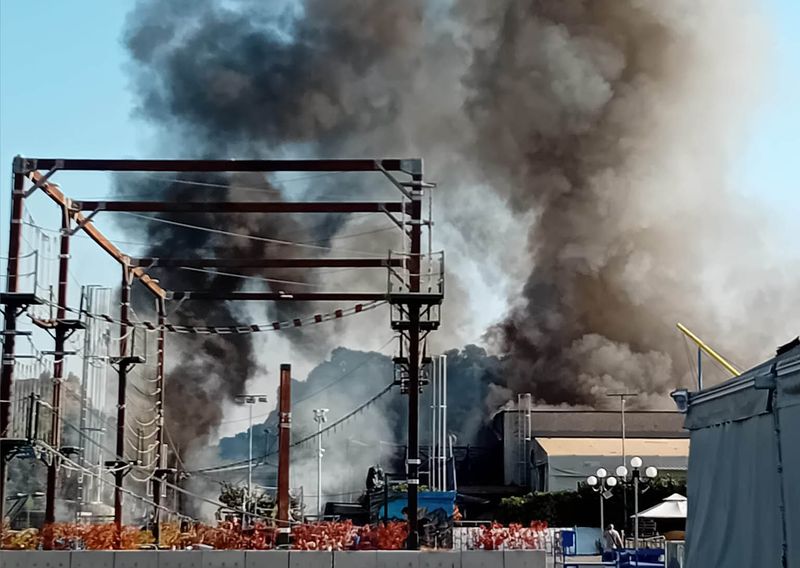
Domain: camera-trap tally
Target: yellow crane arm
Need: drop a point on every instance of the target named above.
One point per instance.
(710, 352)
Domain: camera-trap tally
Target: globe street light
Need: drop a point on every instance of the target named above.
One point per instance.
(602, 484)
(649, 474)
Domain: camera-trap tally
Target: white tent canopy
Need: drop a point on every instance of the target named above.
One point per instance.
(673, 507)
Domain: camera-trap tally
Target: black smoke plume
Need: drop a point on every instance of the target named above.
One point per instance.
(582, 149)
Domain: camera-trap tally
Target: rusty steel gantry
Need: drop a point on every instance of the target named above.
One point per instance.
(414, 307)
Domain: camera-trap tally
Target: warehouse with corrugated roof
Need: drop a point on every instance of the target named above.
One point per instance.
(554, 450)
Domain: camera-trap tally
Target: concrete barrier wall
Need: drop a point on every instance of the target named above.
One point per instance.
(272, 559)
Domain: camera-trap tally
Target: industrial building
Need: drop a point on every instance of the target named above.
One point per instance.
(554, 450)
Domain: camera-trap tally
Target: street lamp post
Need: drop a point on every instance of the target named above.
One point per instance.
(602, 483)
(320, 419)
(250, 400)
(623, 397)
(650, 473)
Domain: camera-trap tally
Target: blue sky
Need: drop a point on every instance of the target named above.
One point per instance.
(64, 92)
(769, 168)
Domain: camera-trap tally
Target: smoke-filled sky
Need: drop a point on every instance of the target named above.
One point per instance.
(590, 157)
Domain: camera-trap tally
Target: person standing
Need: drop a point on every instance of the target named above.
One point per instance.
(611, 539)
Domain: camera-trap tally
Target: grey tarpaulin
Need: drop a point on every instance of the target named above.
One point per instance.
(734, 484)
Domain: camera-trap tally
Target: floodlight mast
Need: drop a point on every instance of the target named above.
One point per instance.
(320, 417)
(250, 400)
(623, 396)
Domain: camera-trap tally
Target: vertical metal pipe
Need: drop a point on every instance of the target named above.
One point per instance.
(437, 420)
(87, 293)
(58, 371)
(125, 298)
(432, 450)
(453, 457)
(699, 369)
(624, 456)
(10, 325)
(249, 496)
(434, 457)
(602, 509)
(625, 463)
(319, 469)
(438, 444)
(415, 265)
(161, 447)
(439, 447)
(284, 434)
(636, 514)
(443, 380)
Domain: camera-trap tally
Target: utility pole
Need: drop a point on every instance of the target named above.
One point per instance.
(320, 419)
(418, 303)
(162, 468)
(61, 330)
(120, 466)
(13, 306)
(414, 313)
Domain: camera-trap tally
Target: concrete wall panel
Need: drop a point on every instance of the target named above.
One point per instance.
(266, 559)
(223, 559)
(524, 559)
(440, 559)
(35, 559)
(398, 559)
(92, 559)
(310, 559)
(353, 559)
(136, 559)
(481, 559)
(180, 559)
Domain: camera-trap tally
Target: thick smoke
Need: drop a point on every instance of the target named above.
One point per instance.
(614, 122)
(377, 433)
(253, 82)
(204, 370)
(582, 150)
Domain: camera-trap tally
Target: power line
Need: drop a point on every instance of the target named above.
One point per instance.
(150, 244)
(230, 328)
(54, 454)
(249, 237)
(241, 187)
(344, 376)
(231, 466)
(246, 276)
(336, 381)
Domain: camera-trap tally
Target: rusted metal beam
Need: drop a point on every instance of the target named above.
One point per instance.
(154, 262)
(281, 296)
(396, 165)
(240, 207)
(87, 227)
(284, 438)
